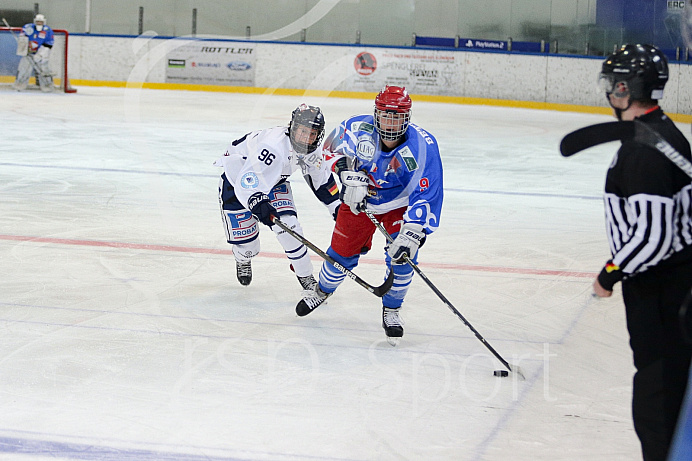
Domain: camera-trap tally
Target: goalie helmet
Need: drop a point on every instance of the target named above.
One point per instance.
(39, 18)
(392, 112)
(638, 71)
(310, 117)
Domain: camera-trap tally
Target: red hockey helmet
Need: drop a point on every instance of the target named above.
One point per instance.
(392, 112)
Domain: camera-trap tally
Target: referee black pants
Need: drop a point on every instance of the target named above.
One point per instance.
(661, 356)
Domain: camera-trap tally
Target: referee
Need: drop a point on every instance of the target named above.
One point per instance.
(648, 209)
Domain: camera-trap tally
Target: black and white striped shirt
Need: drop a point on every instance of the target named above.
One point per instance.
(648, 205)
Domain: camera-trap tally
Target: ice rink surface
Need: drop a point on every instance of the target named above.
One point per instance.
(125, 335)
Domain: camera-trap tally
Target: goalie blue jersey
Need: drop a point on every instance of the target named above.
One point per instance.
(38, 38)
(410, 175)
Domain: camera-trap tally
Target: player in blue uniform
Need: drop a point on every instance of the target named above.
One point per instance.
(393, 169)
(36, 56)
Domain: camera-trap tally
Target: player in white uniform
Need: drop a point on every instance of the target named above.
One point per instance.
(254, 187)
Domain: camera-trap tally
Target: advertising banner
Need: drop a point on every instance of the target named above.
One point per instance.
(212, 63)
(420, 71)
(474, 43)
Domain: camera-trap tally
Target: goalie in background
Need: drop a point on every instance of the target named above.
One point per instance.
(254, 188)
(648, 208)
(34, 45)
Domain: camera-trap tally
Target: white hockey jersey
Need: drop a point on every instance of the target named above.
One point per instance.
(261, 159)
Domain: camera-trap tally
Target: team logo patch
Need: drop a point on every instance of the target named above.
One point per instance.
(409, 159)
(394, 165)
(249, 181)
(367, 127)
(363, 126)
(365, 149)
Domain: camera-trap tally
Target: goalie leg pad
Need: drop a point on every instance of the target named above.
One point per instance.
(24, 72)
(46, 83)
(42, 61)
(45, 79)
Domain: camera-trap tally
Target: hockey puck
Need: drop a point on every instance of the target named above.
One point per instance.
(501, 373)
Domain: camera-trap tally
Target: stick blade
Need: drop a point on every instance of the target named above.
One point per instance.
(384, 288)
(518, 371)
(594, 135)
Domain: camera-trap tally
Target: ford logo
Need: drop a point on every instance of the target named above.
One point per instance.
(238, 65)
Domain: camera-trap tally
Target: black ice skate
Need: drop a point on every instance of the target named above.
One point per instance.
(392, 324)
(308, 283)
(243, 271)
(311, 300)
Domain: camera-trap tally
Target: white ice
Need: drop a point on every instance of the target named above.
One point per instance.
(125, 335)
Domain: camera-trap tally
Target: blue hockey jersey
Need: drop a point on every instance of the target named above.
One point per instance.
(36, 38)
(410, 175)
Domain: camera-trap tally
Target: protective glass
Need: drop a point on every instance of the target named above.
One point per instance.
(610, 85)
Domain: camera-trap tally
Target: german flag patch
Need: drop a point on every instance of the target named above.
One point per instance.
(610, 267)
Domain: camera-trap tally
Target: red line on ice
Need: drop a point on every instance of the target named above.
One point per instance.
(196, 250)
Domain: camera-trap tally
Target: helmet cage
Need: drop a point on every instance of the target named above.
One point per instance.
(39, 22)
(310, 117)
(392, 112)
(391, 125)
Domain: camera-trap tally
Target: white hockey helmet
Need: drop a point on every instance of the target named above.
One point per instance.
(40, 18)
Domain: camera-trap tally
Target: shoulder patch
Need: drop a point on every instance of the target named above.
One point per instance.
(362, 126)
(249, 180)
(408, 158)
(367, 127)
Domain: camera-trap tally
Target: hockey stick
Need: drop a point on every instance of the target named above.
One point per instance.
(377, 291)
(593, 135)
(417, 269)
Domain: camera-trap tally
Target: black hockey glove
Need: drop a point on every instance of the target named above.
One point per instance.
(262, 208)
